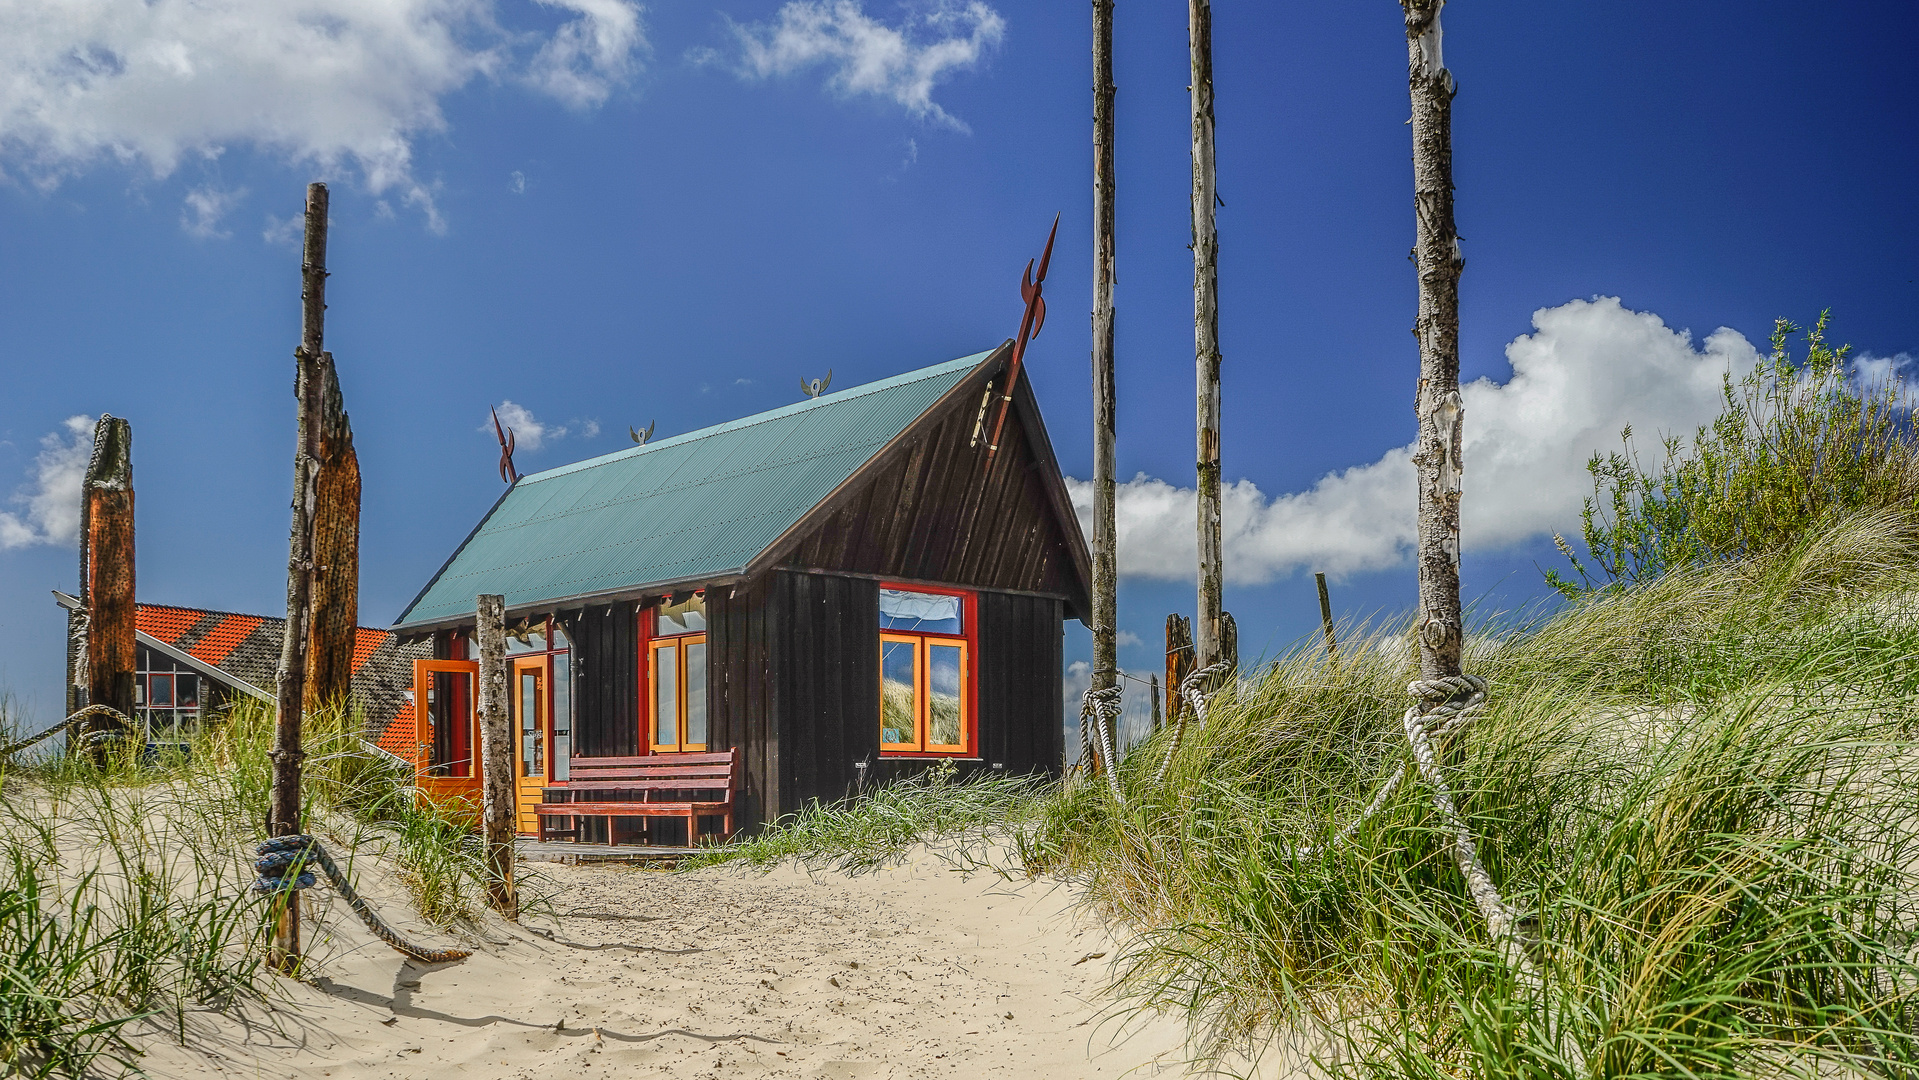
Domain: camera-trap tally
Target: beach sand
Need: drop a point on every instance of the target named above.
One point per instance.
(911, 971)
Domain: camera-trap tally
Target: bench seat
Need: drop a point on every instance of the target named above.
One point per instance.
(690, 776)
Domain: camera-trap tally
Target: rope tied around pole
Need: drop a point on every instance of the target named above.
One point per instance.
(92, 738)
(1194, 689)
(1101, 707)
(282, 865)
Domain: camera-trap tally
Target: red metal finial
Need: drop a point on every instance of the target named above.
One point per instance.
(508, 474)
(1031, 289)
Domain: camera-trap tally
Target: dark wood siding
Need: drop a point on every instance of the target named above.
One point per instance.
(606, 709)
(1021, 712)
(827, 666)
(741, 621)
(938, 512)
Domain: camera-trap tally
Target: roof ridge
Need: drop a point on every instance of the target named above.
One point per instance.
(851, 393)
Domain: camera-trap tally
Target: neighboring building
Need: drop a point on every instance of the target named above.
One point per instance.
(190, 663)
(843, 590)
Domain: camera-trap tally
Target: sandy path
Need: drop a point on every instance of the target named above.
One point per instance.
(914, 971)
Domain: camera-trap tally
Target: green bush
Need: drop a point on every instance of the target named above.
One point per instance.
(1797, 443)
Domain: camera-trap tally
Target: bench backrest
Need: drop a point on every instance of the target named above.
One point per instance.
(661, 772)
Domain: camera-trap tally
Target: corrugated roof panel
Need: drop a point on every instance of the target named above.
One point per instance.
(700, 504)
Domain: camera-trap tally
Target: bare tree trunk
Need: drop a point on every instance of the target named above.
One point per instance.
(496, 754)
(283, 812)
(1437, 403)
(335, 605)
(1206, 628)
(1105, 565)
(1179, 662)
(109, 594)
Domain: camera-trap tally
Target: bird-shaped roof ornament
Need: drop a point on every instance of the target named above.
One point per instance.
(640, 435)
(817, 386)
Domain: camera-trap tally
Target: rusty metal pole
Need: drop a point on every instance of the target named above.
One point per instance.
(283, 813)
(1105, 551)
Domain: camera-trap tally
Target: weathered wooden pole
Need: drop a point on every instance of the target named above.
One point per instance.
(1437, 256)
(1179, 661)
(1105, 563)
(283, 811)
(333, 622)
(1206, 628)
(1326, 615)
(108, 589)
(496, 754)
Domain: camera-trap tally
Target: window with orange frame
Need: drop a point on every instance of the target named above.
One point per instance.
(927, 681)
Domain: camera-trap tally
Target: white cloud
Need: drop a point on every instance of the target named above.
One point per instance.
(1589, 369)
(333, 85)
(205, 206)
(529, 431)
(516, 182)
(52, 498)
(1126, 637)
(587, 58)
(864, 56)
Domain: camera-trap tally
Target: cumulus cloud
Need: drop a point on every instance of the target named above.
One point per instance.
(1589, 369)
(529, 432)
(51, 499)
(204, 207)
(335, 85)
(864, 56)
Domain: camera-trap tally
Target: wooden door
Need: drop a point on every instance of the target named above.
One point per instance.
(532, 746)
(447, 740)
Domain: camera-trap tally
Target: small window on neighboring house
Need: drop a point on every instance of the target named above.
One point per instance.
(926, 672)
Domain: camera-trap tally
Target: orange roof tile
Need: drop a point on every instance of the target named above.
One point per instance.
(398, 738)
(165, 623)
(365, 642)
(224, 638)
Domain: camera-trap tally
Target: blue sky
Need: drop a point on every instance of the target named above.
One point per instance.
(612, 216)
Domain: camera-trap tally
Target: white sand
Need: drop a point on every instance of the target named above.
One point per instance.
(914, 971)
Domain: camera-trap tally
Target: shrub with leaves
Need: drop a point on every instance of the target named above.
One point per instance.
(1797, 442)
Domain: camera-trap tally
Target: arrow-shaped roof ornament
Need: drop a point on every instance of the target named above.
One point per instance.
(1031, 289)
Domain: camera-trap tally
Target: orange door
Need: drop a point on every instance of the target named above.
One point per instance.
(446, 759)
(531, 749)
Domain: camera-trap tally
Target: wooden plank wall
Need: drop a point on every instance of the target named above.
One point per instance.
(938, 513)
(1021, 711)
(827, 669)
(606, 719)
(742, 699)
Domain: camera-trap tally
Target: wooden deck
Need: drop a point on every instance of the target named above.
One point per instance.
(571, 854)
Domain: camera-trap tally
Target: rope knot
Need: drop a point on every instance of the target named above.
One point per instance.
(1448, 704)
(277, 859)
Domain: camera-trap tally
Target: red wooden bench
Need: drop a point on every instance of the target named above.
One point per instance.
(592, 780)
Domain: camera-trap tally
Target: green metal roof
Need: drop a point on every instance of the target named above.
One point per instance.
(694, 506)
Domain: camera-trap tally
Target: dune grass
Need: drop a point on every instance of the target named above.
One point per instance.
(124, 888)
(1702, 793)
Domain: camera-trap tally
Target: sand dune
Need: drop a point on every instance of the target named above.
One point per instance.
(913, 971)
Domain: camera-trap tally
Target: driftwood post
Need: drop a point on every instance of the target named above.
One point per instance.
(283, 812)
(496, 754)
(107, 592)
(1206, 625)
(335, 603)
(1105, 567)
(1326, 615)
(1179, 662)
(1437, 255)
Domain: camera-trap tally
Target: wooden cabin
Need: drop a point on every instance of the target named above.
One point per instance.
(841, 591)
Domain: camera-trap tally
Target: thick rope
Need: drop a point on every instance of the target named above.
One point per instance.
(284, 855)
(1194, 688)
(95, 737)
(1099, 709)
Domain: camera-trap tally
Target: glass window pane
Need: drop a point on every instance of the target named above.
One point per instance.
(450, 717)
(686, 617)
(696, 693)
(562, 715)
(160, 691)
(944, 672)
(186, 691)
(666, 696)
(934, 613)
(529, 709)
(898, 710)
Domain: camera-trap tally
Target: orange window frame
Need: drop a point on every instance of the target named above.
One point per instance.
(966, 641)
(678, 643)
